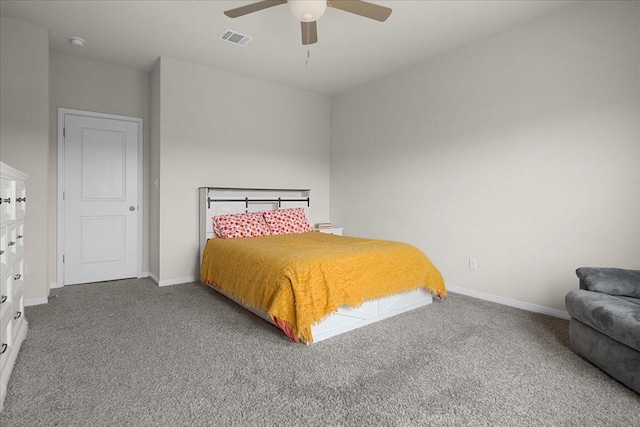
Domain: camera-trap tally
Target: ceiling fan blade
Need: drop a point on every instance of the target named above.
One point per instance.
(253, 7)
(309, 32)
(362, 8)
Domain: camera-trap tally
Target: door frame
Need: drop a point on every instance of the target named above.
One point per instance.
(62, 112)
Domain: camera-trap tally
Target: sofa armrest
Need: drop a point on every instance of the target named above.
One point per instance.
(612, 281)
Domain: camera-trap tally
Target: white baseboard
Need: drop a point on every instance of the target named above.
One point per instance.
(55, 285)
(154, 278)
(510, 302)
(35, 301)
(171, 282)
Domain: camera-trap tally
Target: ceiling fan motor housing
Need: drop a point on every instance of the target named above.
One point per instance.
(307, 10)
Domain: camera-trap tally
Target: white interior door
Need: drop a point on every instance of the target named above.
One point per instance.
(100, 199)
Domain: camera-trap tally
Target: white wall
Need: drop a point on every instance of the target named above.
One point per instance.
(24, 143)
(95, 86)
(522, 150)
(225, 130)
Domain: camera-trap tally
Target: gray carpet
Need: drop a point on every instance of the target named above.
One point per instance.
(131, 353)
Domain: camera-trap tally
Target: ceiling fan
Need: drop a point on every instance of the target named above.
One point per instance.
(309, 11)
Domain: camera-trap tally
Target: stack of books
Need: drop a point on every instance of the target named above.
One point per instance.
(323, 225)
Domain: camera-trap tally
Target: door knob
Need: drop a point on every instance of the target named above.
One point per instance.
(132, 208)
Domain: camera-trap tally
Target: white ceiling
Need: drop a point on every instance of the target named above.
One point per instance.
(350, 50)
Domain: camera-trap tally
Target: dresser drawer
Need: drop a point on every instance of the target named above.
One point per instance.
(6, 345)
(4, 256)
(17, 315)
(7, 204)
(19, 238)
(17, 279)
(11, 248)
(17, 286)
(6, 289)
(12, 282)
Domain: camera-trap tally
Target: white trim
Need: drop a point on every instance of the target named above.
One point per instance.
(177, 281)
(28, 302)
(171, 282)
(61, 185)
(140, 193)
(54, 285)
(510, 302)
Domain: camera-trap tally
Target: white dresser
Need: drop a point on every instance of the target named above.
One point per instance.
(13, 325)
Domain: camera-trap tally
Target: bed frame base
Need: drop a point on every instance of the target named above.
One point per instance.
(347, 319)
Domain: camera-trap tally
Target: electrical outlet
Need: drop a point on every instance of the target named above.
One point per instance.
(473, 264)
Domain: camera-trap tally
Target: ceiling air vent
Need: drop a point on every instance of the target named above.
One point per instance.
(235, 37)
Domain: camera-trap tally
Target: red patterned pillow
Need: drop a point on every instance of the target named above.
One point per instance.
(287, 221)
(232, 226)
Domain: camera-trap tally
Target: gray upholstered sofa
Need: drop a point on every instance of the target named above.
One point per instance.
(605, 321)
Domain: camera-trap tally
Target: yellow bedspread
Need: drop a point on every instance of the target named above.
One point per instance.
(302, 278)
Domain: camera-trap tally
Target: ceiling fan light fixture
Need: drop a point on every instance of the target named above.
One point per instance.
(307, 10)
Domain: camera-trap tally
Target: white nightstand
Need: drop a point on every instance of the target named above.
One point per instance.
(334, 230)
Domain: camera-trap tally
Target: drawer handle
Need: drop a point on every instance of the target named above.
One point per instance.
(17, 276)
(4, 298)
(7, 200)
(11, 243)
(21, 199)
(20, 236)
(1, 252)
(18, 314)
(4, 348)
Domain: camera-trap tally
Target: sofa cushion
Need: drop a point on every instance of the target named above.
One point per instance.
(616, 359)
(615, 317)
(612, 281)
(633, 300)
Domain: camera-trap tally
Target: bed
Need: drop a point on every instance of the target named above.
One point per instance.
(311, 285)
